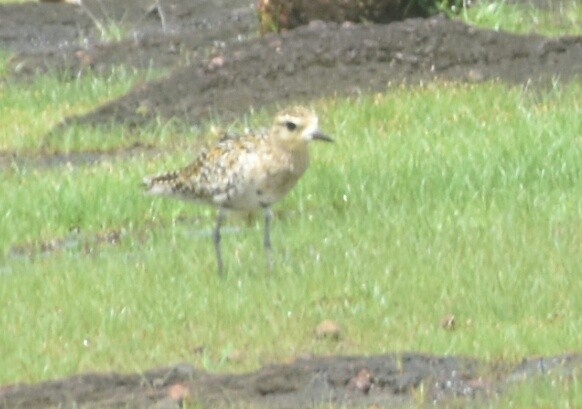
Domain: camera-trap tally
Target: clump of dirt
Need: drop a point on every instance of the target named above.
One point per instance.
(378, 381)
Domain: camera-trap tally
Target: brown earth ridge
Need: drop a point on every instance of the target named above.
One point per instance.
(220, 68)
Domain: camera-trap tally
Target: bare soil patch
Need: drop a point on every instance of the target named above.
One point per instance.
(322, 59)
(378, 381)
(218, 66)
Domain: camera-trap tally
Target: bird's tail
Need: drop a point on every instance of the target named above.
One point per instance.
(165, 184)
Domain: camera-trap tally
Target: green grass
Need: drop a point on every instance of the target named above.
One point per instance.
(539, 394)
(473, 208)
(557, 19)
(36, 108)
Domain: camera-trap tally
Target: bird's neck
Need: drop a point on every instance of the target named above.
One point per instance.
(295, 147)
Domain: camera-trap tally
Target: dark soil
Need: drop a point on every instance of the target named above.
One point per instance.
(326, 59)
(384, 381)
(217, 66)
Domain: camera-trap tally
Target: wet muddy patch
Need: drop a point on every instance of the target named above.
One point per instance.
(75, 241)
(389, 381)
(10, 160)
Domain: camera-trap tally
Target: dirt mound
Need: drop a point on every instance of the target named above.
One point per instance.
(328, 59)
(385, 381)
(221, 69)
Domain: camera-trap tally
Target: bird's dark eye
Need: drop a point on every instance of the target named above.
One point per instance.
(290, 125)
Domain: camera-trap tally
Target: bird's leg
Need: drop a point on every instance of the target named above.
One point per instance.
(267, 238)
(216, 239)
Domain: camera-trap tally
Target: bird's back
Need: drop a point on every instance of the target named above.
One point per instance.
(243, 173)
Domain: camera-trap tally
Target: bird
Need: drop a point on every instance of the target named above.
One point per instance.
(246, 173)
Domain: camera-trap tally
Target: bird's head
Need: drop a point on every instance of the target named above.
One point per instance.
(295, 127)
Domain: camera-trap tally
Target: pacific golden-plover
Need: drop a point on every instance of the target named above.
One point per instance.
(246, 173)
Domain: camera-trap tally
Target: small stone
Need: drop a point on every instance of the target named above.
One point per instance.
(474, 75)
(216, 62)
(362, 381)
(178, 392)
(328, 329)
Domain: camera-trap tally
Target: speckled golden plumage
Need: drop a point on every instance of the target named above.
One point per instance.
(246, 173)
